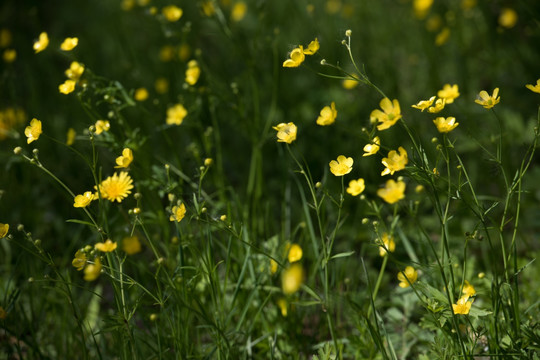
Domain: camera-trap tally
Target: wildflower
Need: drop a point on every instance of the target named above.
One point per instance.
(101, 126)
(79, 261)
(342, 166)
(356, 187)
(4, 228)
(392, 192)
(449, 93)
(386, 243)
(445, 125)
(439, 105)
(373, 148)
(421, 8)
(75, 71)
(463, 306)
(3, 313)
(69, 44)
(193, 72)
(107, 246)
(295, 253)
(238, 11)
(389, 116)
(83, 200)
(161, 85)
(172, 13)
(292, 278)
(295, 58)
(178, 213)
(508, 18)
(349, 84)
(70, 137)
(468, 289)
(92, 271)
(327, 115)
(286, 132)
(442, 37)
(488, 101)
(141, 94)
(535, 88)
(176, 114)
(282, 304)
(273, 266)
(407, 277)
(208, 8)
(9, 55)
(116, 187)
(424, 104)
(223, 217)
(33, 131)
(125, 159)
(42, 43)
(312, 48)
(395, 162)
(67, 87)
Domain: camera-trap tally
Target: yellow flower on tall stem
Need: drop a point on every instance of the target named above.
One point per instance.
(67, 87)
(83, 200)
(75, 71)
(79, 261)
(445, 125)
(424, 104)
(373, 147)
(178, 213)
(116, 187)
(327, 115)
(296, 57)
(4, 228)
(395, 162)
(286, 132)
(101, 126)
(33, 131)
(407, 277)
(386, 243)
(172, 13)
(193, 72)
(176, 114)
(295, 253)
(42, 43)
(488, 101)
(342, 166)
(107, 246)
(463, 306)
(131, 245)
(448, 93)
(312, 48)
(292, 278)
(356, 187)
(535, 88)
(392, 192)
(69, 44)
(389, 116)
(439, 105)
(124, 160)
(92, 271)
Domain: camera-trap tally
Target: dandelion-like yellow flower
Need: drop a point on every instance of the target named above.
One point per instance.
(424, 104)
(92, 271)
(286, 132)
(273, 266)
(386, 243)
(131, 245)
(193, 72)
(172, 13)
(395, 162)
(488, 101)
(292, 278)
(4, 228)
(116, 187)
(107, 246)
(342, 166)
(449, 93)
(178, 213)
(75, 71)
(33, 131)
(445, 125)
(69, 44)
(409, 274)
(295, 58)
(535, 88)
(295, 253)
(124, 160)
(79, 261)
(176, 114)
(83, 200)
(393, 191)
(356, 187)
(439, 105)
(312, 48)
(70, 136)
(327, 115)
(508, 18)
(141, 94)
(42, 42)
(463, 306)
(67, 87)
(389, 116)
(468, 289)
(373, 148)
(101, 126)
(238, 11)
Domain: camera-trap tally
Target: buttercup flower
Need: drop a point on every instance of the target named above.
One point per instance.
(79, 261)
(193, 72)
(178, 213)
(176, 114)
(131, 245)
(42, 43)
(342, 166)
(141, 94)
(439, 105)
(273, 266)
(70, 136)
(392, 192)
(286, 132)
(373, 148)
(238, 11)
(386, 243)
(449, 93)
(508, 18)
(292, 278)
(83, 200)
(395, 162)
(92, 271)
(356, 187)
(535, 88)
(282, 304)
(116, 187)
(75, 71)
(295, 253)
(312, 48)
(445, 125)
(296, 57)
(107, 246)
(4, 228)
(172, 13)
(389, 116)
(67, 87)
(101, 126)
(327, 115)
(488, 101)
(463, 306)
(349, 84)
(125, 159)
(468, 289)
(69, 44)
(421, 8)
(424, 104)
(409, 274)
(33, 131)
(9, 55)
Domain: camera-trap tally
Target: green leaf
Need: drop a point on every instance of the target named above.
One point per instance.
(343, 254)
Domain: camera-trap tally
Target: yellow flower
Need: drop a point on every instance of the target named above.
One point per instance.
(193, 72)
(83, 200)
(42, 43)
(131, 245)
(421, 8)
(342, 166)
(208, 8)
(69, 44)
(373, 148)
(445, 125)
(442, 37)
(295, 253)
(101, 126)
(535, 88)
(117, 187)
(107, 246)
(141, 94)
(468, 289)
(463, 306)
(392, 192)
(312, 48)
(292, 278)
(33, 131)
(238, 11)
(409, 274)
(75, 71)
(166, 53)
(273, 266)
(327, 115)
(176, 114)
(70, 137)
(389, 116)
(349, 84)
(282, 304)
(296, 57)
(3, 313)
(9, 55)
(286, 132)
(178, 213)
(448, 93)
(424, 104)
(67, 87)
(79, 261)
(92, 271)
(508, 18)
(4, 228)
(125, 159)
(395, 162)
(161, 85)
(172, 13)
(488, 101)
(439, 105)
(386, 243)
(356, 187)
